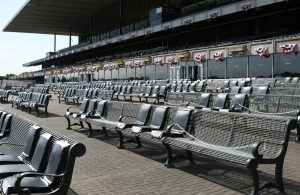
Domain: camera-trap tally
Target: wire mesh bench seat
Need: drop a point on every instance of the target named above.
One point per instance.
(47, 155)
(33, 101)
(87, 106)
(107, 117)
(4, 94)
(238, 138)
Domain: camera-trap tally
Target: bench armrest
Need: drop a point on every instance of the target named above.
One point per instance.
(257, 145)
(13, 144)
(18, 187)
(175, 132)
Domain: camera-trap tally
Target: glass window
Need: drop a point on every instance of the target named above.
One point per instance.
(140, 73)
(150, 72)
(95, 76)
(122, 73)
(286, 65)
(130, 73)
(115, 75)
(101, 74)
(216, 70)
(108, 75)
(237, 67)
(205, 74)
(260, 67)
(162, 72)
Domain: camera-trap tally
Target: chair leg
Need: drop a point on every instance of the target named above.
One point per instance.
(298, 133)
(121, 140)
(81, 124)
(46, 111)
(104, 131)
(169, 161)
(90, 134)
(69, 123)
(190, 156)
(138, 141)
(278, 176)
(252, 168)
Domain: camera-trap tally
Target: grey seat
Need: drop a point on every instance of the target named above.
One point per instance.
(41, 182)
(38, 160)
(204, 100)
(29, 147)
(5, 125)
(235, 89)
(239, 103)
(141, 120)
(158, 120)
(247, 90)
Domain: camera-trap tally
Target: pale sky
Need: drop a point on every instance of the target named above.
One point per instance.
(19, 48)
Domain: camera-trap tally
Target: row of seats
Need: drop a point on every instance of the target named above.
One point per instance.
(39, 89)
(32, 101)
(77, 95)
(4, 94)
(43, 165)
(226, 136)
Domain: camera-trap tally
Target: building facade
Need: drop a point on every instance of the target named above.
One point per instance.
(166, 39)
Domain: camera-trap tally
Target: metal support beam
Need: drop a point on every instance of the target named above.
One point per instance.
(70, 37)
(54, 42)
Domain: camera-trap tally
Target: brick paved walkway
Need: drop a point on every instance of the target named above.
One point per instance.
(107, 170)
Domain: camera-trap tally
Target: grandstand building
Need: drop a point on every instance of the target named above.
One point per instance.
(165, 39)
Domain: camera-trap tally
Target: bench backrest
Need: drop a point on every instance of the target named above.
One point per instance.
(19, 132)
(239, 129)
(113, 110)
(159, 116)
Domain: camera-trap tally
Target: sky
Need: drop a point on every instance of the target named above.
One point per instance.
(20, 48)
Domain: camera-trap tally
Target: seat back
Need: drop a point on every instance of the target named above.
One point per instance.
(159, 117)
(129, 89)
(143, 114)
(57, 161)
(204, 100)
(6, 123)
(100, 108)
(288, 79)
(2, 118)
(173, 87)
(95, 93)
(192, 87)
(247, 90)
(46, 99)
(86, 92)
(199, 87)
(235, 89)
(186, 87)
(239, 101)
(123, 89)
(155, 90)
(179, 87)
(32, 139)
(148, 90)
(242, 83)
(221, 101)
(263, 90)
(90, 93)
(162, 90)
(182, 118)
(91, 107)
(40, 153)
(294, 80)
(84, 105)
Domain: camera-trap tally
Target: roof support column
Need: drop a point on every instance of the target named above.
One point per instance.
(54, 42)
(121, 15)
(91, 28)
(70, 37)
